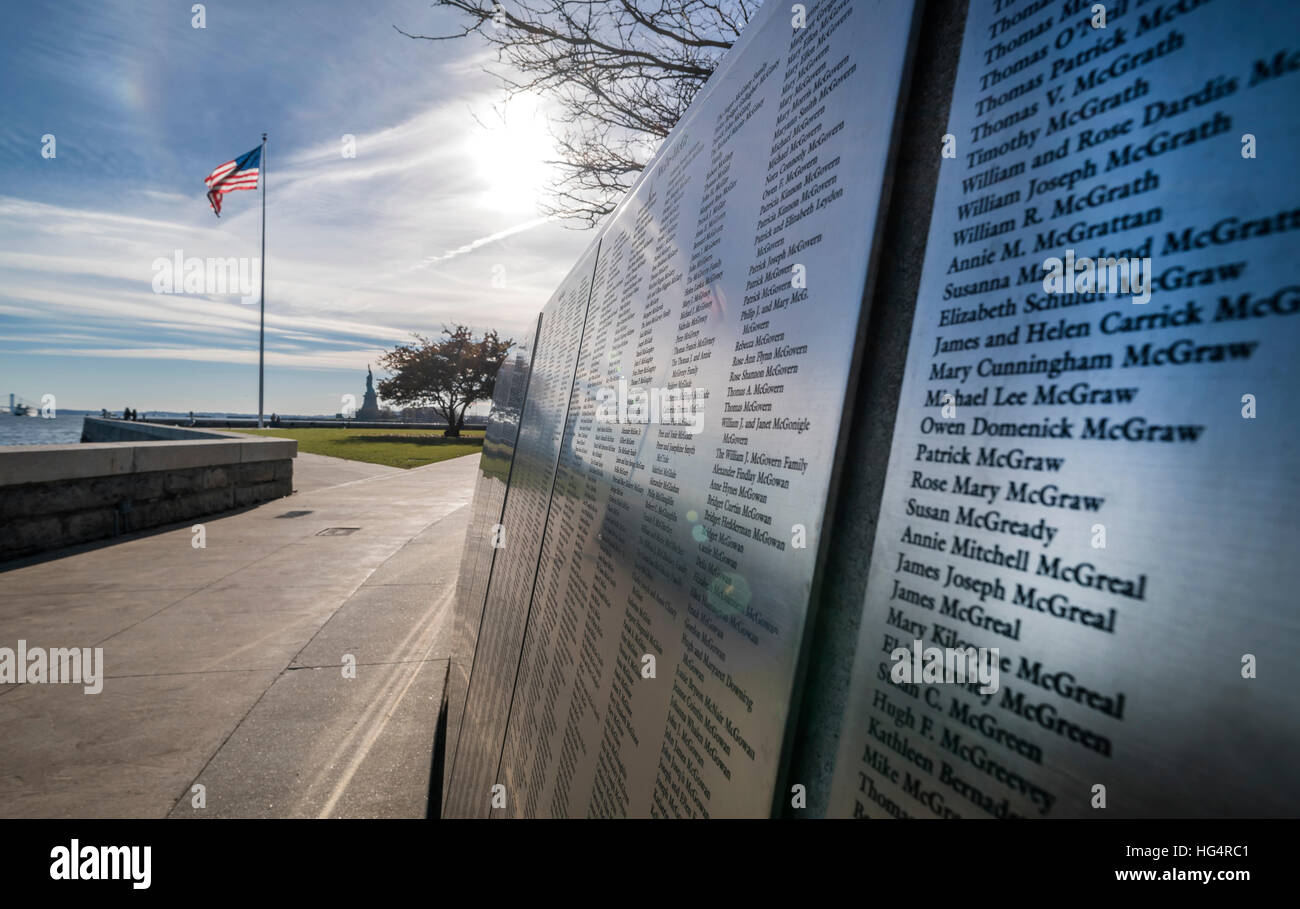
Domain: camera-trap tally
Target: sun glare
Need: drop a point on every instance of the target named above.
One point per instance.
(510, 145)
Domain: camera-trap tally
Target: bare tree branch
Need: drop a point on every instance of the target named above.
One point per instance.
(622, 73)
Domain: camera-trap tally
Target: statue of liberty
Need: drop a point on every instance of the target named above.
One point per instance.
(370, 405)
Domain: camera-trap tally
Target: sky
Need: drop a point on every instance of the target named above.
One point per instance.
(434, 221)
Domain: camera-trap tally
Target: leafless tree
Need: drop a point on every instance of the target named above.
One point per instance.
(622, 71)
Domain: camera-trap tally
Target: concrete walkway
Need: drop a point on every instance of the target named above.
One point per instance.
(224, 665)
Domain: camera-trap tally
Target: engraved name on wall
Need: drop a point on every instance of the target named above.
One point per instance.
(1100, 486)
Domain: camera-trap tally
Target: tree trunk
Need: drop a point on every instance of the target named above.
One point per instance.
(454, 427)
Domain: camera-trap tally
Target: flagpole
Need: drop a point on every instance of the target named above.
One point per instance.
(261, 329)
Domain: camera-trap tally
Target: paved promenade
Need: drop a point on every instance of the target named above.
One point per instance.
(223, 665)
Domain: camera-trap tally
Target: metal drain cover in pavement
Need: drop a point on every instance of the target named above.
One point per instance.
(337, 531)
(293, 514)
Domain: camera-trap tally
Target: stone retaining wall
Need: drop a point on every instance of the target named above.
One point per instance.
(53, 496)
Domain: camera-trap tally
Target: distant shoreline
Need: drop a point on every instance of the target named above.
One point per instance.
(65, 428)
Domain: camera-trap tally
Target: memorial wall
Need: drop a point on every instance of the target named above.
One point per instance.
(1101, 484)
(677, 443)
(504, 613)
(1092, 470)
(483, 539)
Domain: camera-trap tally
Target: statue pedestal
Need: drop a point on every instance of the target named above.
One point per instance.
(369, 407)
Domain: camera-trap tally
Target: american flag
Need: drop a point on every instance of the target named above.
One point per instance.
(241, 173)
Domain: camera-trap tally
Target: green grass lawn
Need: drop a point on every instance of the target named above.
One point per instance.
(393, 447)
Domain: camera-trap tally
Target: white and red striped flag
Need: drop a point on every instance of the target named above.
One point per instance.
(241, 173)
